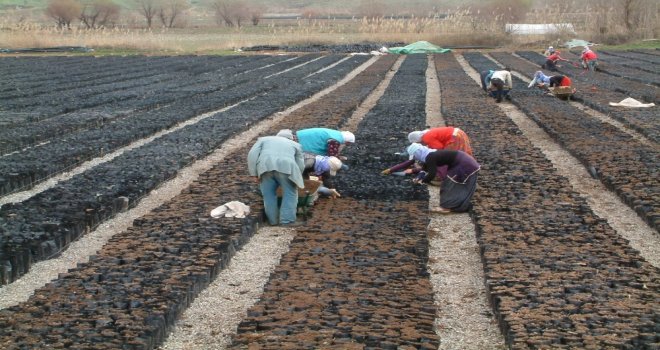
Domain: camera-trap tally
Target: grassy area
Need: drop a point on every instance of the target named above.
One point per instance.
(637, 45)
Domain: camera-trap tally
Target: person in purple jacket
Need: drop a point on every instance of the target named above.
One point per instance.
(459, 184)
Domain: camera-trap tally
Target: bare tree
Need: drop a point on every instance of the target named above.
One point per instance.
(223, 12)
(99, 13)
(148, 9)
(256, 13)
(63, 12)
(170, 11)
(234, 12)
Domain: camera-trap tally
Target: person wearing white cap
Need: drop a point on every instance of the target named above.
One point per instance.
(325, 168)
(460, 183)
(278, 161)
(445, 137)
(324, 141)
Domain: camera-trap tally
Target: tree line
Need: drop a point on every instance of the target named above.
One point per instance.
(94, 14)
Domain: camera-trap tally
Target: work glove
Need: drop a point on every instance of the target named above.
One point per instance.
(385, 172)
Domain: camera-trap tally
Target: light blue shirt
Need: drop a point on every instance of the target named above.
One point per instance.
(276, 153)
(315, 140)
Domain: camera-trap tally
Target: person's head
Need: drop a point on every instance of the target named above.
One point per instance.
(335, 165)
(412, 149)
(348, 137)
(415, 136)
(286, 133)
(551, 49)
(507, 68)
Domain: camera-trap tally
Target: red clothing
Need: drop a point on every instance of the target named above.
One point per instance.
(589, 56)
(333, 148)
(438, 138)
(555, 57)
(566, 81)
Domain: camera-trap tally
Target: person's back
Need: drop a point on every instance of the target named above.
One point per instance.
(315, 140)
(274, 153)
(438, 138)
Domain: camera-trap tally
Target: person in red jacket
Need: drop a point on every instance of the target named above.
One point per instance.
(448, 137)
(551, 61)
(589, 59)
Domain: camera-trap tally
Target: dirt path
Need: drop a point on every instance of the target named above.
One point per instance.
(603, 202)
(465, 319)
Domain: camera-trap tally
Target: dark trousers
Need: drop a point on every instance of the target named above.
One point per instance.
(550, 65)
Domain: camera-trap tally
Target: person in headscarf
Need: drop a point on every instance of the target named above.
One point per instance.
(551, 61)
(544, 82)
(589, 59)
(459, 184)
(549, 51)
(323, 141)
(446, 137)
(415, 168)
(278, 161)
(501, 84)
(325, 168)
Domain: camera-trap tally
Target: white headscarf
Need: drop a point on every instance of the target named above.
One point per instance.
(348, 136)
(416, 136)
(418, 152)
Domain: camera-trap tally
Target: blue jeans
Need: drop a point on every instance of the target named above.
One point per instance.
(269, 182)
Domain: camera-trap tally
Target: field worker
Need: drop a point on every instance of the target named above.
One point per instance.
(325, 168)
(324, 142)
(501, 84)
(415, 168)
(485, 78)
(459, 184)
(445, 137)
(589, 59)
(543, 81)
(551, 61)
(549, 51)
(278, 161)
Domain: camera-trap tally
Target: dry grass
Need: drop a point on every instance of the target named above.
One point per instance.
(461, 28)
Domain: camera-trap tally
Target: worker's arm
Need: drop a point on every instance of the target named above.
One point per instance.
(398, 167)
(509, 81)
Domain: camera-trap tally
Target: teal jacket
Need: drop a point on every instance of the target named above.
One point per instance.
(275, 153)
(315, 140)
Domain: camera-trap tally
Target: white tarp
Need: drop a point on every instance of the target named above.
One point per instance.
(532, 29)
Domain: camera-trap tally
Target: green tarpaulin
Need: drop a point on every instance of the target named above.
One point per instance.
(418, 47)
(577, 42)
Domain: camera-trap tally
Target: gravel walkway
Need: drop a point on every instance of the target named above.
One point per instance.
(464, 319)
